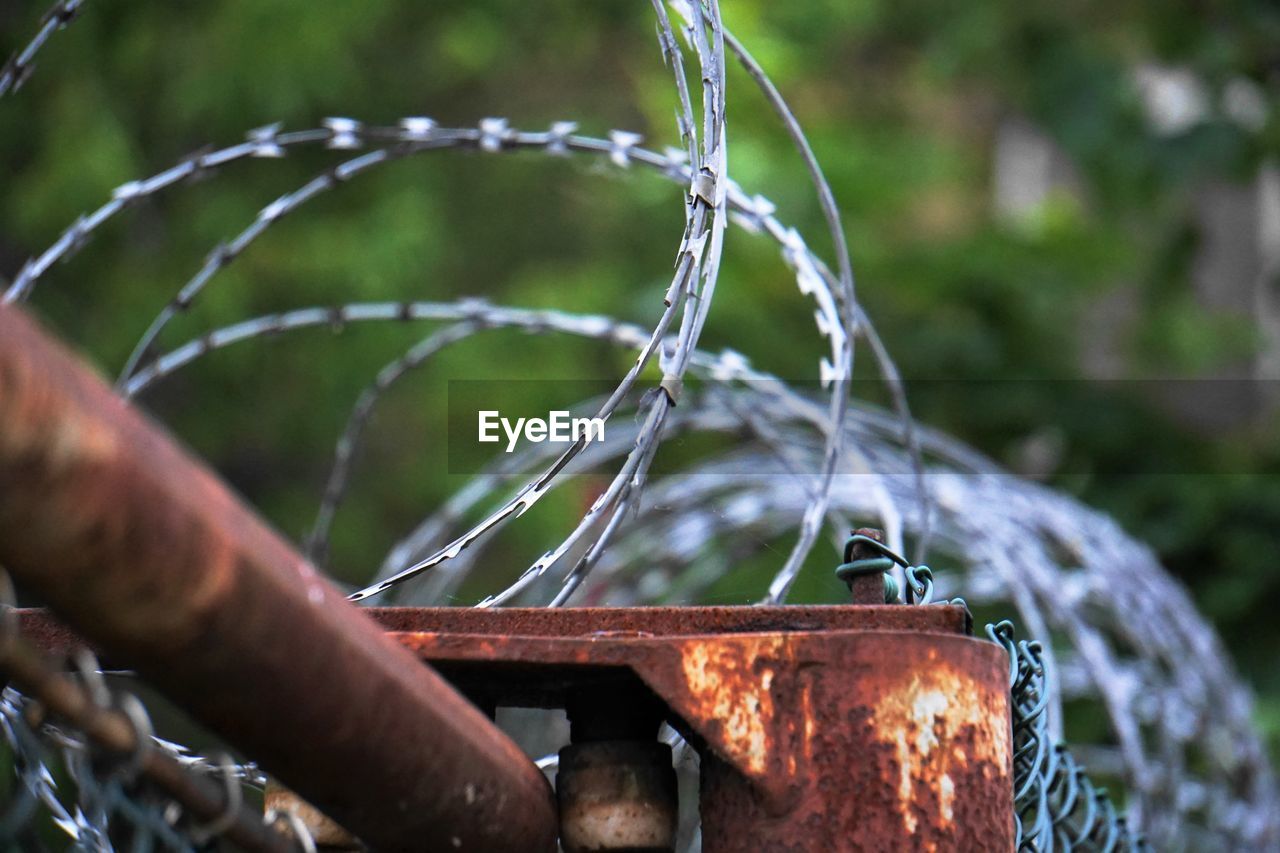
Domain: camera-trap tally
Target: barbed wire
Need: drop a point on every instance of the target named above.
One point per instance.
(492, 135)
(1125, 635)
(693, 284)
(754, 213)
(18, 67)
(996, 522)
(348, 133)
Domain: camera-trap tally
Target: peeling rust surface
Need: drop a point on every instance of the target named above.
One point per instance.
(730, 687)
(908, 750)
(939, 729)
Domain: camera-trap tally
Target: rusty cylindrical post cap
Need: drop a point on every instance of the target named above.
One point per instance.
(617, 795)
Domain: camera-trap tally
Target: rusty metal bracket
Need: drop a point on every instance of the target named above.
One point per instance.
(818, 726)
(813, 728)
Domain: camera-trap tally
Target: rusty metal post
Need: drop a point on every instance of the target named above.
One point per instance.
(150, 557)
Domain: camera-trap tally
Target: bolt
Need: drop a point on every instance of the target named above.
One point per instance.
(865, 570)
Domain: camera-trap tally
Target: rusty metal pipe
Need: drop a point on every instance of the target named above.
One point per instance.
(148, 555)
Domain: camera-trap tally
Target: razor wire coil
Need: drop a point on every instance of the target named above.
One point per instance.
(1014, 543)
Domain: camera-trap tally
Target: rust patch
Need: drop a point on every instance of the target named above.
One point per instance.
(732, 684)
(941, 727)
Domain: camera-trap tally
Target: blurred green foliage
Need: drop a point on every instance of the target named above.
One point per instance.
(902, 102)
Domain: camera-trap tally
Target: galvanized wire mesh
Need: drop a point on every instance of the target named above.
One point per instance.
(1056, 804)
(100, 802)
(64, 785)
(1118, 631)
